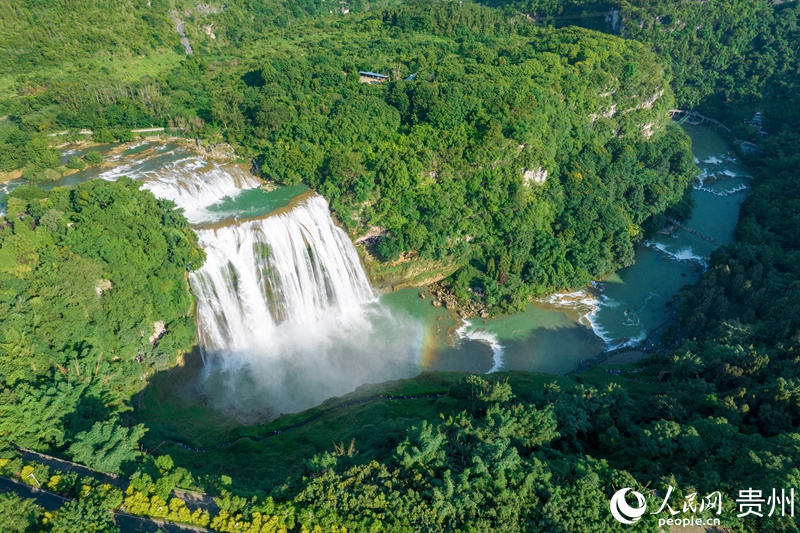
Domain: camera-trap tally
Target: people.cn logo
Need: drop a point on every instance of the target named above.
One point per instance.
(625, 513)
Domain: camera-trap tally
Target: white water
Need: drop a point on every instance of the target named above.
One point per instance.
(469, 332)
(296, 267)
(287, 317)
(717, 187)
(588, 304)
(192, 182)
(685, 253)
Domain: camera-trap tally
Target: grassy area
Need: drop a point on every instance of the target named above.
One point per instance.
(375, 426)
(126, 69)
(638, 378)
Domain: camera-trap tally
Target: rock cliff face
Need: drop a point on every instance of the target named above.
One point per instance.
(408, 271)
(537, 176)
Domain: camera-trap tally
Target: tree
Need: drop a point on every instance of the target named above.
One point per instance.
(93, 158)
(108, 446)
(82, 517)
(18, 515)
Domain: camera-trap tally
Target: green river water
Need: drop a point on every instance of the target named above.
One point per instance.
(553, 335)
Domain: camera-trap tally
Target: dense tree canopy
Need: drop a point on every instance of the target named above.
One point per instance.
(526, 158)
(85, 274)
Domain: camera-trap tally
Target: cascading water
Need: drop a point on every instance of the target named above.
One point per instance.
(191, 181)
(286, 314)
(296, 267)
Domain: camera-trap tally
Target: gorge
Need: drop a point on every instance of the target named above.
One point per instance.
(287, 317)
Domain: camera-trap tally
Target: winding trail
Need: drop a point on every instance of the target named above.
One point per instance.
(180, 28)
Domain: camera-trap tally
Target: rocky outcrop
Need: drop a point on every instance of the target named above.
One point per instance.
(537, 176)
(102, 286)
(159, 328)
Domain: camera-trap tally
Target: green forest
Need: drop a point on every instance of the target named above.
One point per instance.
(521, 146)
(442, 168)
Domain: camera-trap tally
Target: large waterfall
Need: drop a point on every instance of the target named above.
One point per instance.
(286, 314)
(296, 267)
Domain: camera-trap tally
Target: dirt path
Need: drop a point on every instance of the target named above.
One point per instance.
(180, 27)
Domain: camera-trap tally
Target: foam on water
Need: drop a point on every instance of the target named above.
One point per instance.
(588, 303)
(683, 254)
(721, 192)
(468, 332)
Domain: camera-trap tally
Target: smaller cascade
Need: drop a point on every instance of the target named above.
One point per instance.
(587, 303)
(192, 182)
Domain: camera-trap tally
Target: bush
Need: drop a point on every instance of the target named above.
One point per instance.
(123, 135)
(103, 136)
(76, 163)
(93, 158)
(42, 176)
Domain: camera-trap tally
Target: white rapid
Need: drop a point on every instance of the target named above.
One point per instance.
(287, 317)
(191, 181)
(469, 332)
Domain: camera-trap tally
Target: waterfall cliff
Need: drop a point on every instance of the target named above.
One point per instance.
(287, 317)
(297, 267)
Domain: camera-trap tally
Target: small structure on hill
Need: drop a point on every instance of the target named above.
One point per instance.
(372, 77)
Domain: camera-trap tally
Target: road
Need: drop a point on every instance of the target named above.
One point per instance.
(67, 466)
(127, 523)
(89, 132)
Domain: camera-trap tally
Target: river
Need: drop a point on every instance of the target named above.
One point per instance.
(405, 330)
(554, 335)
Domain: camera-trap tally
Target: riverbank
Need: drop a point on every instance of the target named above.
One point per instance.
(5, 177)
(557, 334)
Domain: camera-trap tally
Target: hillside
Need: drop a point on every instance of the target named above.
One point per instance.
(507, 152)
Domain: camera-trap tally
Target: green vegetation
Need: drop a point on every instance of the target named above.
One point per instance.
(447, 168)
(18, 515)
(526, 159)
(728, 58)
(87, 276)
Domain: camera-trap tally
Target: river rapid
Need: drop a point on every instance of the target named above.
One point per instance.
(287, 318)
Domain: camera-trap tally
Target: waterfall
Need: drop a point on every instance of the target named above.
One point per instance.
(191, 181)
(286, 314)
(296, 267)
